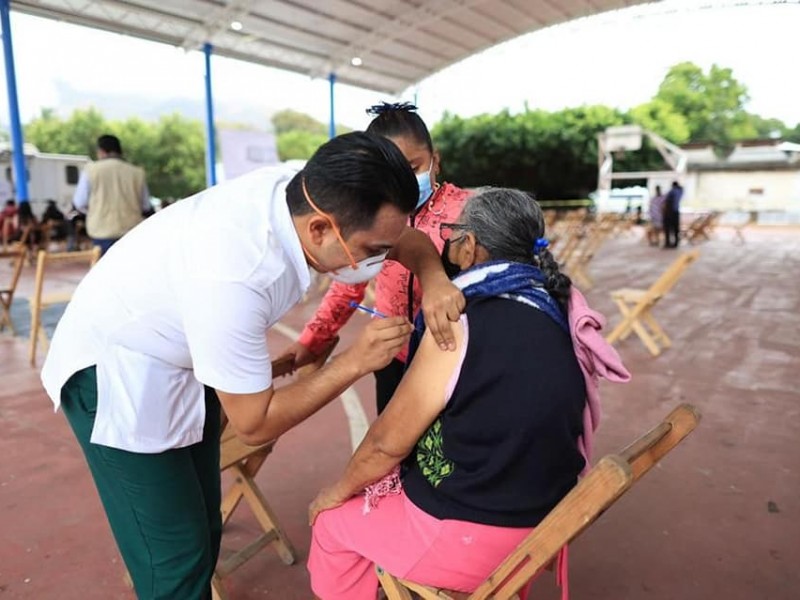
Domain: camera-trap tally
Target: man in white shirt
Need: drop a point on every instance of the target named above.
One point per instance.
(173, 320)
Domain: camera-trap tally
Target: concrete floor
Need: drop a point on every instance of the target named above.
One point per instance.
(719, 518)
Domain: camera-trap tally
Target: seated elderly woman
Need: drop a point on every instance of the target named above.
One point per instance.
(490, 436)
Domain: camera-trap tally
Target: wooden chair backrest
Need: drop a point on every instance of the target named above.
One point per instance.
(18, 254)
(609, 479)
(44, 258)
(671, 276)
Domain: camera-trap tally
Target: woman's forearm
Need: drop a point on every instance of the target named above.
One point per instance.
(368, 465)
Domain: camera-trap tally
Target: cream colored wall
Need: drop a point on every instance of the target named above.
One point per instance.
(730, 190)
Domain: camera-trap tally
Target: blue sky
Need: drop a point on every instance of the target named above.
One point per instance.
(616, 59)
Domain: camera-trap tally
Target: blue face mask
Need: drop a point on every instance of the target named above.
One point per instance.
(425, 188)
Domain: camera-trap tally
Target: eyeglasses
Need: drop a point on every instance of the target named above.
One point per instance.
(446, 230)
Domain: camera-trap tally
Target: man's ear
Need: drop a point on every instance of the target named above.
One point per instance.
(317, 228)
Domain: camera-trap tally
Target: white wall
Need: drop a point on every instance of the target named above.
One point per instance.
(736, 190)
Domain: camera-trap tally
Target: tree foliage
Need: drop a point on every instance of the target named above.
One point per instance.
(288, 120)
(554, 154)
(551, 153)
(171, 150)
(713, 104)
(299, 144)
(299, 134)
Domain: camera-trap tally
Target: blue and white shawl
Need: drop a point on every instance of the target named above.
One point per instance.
(515, 281)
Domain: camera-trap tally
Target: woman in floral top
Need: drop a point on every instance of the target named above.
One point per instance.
(397, 292)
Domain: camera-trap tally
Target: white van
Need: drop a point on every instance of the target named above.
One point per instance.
(50, 177)
(621, 200)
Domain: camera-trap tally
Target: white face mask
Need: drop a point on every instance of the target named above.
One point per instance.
(365, 270)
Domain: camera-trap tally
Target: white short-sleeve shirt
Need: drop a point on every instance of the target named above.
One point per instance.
(183, 300)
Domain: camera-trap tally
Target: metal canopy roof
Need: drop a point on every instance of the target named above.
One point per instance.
(399, 42)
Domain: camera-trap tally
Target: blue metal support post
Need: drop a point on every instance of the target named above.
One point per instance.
(332, 122)
(17, 140)
(211, 145)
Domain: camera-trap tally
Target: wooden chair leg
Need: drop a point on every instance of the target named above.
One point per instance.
(394, 590)
(646, 338)
(34, 339)
(660, 335)
(266, 518)
(236, 492)
(218, 588)
(623, 329)
(5, 317)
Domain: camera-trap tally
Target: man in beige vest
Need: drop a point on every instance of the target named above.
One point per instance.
(112, 193)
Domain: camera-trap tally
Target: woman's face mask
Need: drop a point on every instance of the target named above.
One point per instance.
(451, 269)
(425, 187)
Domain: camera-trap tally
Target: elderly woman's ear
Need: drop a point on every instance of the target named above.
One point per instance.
(470, 252)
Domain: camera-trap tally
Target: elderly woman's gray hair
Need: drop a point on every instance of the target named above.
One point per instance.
(507, 223)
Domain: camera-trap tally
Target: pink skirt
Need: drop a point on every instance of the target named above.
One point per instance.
(346, 545)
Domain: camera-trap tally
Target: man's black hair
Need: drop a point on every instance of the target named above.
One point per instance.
(351, 177)
(109, 144)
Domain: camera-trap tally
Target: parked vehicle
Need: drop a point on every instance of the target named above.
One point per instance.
(50, 177)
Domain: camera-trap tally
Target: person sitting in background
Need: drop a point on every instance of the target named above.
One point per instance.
(8, 221)
(76, 230)
(492, 436)
(27, 220)
(54, 220)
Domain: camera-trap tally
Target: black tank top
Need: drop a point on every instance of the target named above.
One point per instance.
(504, 450)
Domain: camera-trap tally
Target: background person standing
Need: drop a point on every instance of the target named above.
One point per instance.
(672, 216)
(112, 193)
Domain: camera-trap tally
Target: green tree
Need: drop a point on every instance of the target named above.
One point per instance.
(175, 162)
(711, 103)
(298, 144)
(793, 135)
(768, 127)
(661, 118)
(553, 154)
(172, 150)
(76, 135)
(288, 120)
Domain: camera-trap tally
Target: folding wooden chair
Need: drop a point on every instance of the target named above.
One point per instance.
(636, 306)
(597, 491)
(579, 259)
(701, 228)
(245, 462)
(39, 300)
(17, 253)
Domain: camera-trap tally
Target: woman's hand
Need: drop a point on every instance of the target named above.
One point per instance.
(327, 499)
(442, 303)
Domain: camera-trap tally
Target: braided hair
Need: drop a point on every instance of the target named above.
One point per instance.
(509, 224)
(399, 120)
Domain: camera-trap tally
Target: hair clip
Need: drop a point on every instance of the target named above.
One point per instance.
(539, 245)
